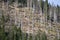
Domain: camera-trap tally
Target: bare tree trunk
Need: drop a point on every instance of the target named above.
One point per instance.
(3, 5)
(15, 6)
(29, 3)
(55, 16)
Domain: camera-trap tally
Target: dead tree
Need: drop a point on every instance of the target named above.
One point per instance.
(29, 3)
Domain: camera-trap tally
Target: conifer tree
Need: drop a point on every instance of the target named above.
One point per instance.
(43, 36)
(14, 32)
(2, 26)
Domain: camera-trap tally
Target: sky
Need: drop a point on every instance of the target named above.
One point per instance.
(54, 2)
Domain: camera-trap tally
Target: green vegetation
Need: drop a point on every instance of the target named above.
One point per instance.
(15, 33)
(22, 1)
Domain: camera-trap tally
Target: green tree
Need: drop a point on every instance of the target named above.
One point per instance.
(30, 37)
(15, 32)
(41, 5)
(43, 36)
(2, 28)
(19, 34)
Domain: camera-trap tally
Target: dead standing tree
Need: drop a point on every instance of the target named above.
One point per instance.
(29, 3)
(15, 6)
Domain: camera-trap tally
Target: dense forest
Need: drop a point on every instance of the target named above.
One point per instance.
(18, 11)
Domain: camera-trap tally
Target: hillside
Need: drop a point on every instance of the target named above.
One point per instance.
(29, 21)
